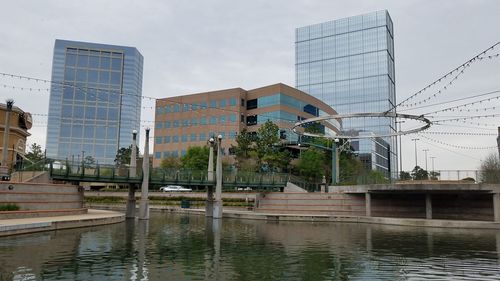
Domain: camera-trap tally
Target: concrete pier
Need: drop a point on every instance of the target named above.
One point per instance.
(428, 206)
(368, 204)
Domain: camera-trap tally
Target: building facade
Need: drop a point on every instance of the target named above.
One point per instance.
(190, 120)
(19, 124)
(95, 100)
(349, 64)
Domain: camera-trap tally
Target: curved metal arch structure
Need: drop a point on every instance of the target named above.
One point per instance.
(420, 118)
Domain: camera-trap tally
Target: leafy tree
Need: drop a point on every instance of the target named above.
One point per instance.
(89, 160)
(311, 163)
(244, 142)
(35, 153)
(433, 175)
(404, 176)
(419, 174)
(122, 157)
(170, 162)
(196, 158)
(490, 169)
(267, 138)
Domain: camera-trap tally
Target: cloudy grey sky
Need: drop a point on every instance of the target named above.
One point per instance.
(194, 46)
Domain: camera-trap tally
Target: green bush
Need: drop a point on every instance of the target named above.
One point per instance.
(9, 207)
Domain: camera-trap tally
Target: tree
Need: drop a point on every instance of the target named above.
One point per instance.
(419, 173)
(244, 142)
(35, 153)
(490, 169)
(404, 176)
(433, 175)
(311, 163)
(122, 157)
(170, 163)
(196, 158)
(267, 138)
(89, 160)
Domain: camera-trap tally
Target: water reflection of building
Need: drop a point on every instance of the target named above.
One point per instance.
(20, 123)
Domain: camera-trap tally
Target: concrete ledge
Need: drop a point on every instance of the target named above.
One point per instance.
(30, 225)
(4, 215)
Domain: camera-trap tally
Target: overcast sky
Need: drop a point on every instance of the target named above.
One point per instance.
(195, 46)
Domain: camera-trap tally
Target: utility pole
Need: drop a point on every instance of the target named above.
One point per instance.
(415, 140)
(425, 150)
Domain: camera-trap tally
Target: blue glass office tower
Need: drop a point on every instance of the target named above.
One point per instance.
(95, 100)
(349, 65)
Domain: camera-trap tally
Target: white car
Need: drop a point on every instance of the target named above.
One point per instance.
(175, 188)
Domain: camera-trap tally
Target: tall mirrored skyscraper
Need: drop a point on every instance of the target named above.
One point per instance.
(95, 100)
(349, 65)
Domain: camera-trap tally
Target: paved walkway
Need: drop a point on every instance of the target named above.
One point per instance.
(29, 225)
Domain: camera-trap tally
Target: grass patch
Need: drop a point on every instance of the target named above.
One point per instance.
(9, 207)
(105, 200)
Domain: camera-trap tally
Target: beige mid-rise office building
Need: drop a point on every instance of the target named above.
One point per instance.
(190, 120)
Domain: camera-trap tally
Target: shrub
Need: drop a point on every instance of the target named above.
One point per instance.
(9, 207)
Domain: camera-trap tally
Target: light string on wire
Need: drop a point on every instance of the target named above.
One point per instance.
(466, 118)
(458, 133)
(458, 69)
(447, 149)
(459, 146)
(458, 107)
(31, 89)
(468, 127)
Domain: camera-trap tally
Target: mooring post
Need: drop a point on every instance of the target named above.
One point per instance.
(144, 203)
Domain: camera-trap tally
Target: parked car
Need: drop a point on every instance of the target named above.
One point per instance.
(175, 188)
(244, 188)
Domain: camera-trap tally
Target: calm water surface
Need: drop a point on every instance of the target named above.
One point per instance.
(182, 247)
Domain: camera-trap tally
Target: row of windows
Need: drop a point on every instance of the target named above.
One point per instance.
(94, 52)
(352, 67)
(90, 112)
(74, 150)
(89, 132)
(344, 25)
(193, 137)
(282, 99)
(370, 40)
(71, 94)
(92, 76)
(94, 62)
(186, 107)
(213, 120)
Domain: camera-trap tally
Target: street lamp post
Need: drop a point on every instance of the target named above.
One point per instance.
(415, 140)
(425, 150)
(400, 147)
(432, 159)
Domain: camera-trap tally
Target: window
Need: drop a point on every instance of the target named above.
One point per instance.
(167, 124)
(222, 119)
(213, 104)
(158, 125)
(203, 105)
(232, 101)
(252, 104)
(159, 110)
(176, 123)
(175, 139)
(186, 108)
(232, 135)
(203, 137)
(203, 120)
(176, 108)
(232, 118)
(184, 138)
(222, 103)
(193, 137)
(242, 102)
(213, 120)
(185, 123)
(167, 139)
(157, 155)
(158, 140)
(167, 108)
(194, 122)
(251, 120)
(242, 118)
(194, 106)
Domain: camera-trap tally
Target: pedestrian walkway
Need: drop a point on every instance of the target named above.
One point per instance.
(29, 225)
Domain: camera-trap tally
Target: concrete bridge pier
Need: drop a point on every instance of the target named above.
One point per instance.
(209, 204)
(428, 206)
(144, 203)
(217, 210)
(368, 204)
(130, 213)
(496, 206)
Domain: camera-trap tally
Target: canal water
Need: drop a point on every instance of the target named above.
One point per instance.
(188, 247)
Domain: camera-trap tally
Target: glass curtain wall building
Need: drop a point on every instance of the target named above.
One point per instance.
(349, 65)
(95, 100)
